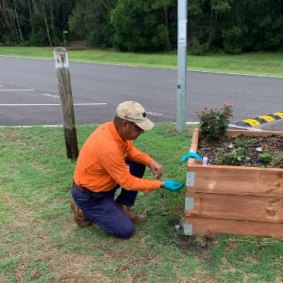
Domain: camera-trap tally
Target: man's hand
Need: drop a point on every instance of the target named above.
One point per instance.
(156, 169)
(191, 155)
(173, 186)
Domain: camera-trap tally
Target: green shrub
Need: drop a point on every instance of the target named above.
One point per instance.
(214, 123)
(234, 39)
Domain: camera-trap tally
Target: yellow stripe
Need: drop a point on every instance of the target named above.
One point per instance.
(267, 118)
(280, 114)
(252, 122)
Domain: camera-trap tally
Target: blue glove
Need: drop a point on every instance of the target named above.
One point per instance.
(173, 186)
(191, 155)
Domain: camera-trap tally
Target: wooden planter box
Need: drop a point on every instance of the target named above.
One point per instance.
(233, 199)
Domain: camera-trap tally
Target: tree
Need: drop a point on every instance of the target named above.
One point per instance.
(48, 20)
(8, 13)
(38, 22)
(145, 25)
(206, 20)
(90, 20)
(254, 25)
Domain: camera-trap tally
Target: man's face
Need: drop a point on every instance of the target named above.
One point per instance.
(130, 131)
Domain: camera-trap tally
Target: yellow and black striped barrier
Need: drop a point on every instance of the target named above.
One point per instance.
(257, 121)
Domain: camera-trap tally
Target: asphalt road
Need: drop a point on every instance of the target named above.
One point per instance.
(29, 94)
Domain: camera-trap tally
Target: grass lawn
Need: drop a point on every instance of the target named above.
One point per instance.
(258, 63)
(41, 243)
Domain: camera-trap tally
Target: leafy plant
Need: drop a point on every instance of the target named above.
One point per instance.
(214, 123)
(235, 154)
(270, 160)
(264, 158)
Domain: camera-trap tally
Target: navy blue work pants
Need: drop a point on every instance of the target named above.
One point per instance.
(101, 209)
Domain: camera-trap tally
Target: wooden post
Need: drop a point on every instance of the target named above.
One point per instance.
(65, 91)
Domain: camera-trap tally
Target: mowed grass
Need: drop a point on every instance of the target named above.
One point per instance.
(257, 63)
(41, 243)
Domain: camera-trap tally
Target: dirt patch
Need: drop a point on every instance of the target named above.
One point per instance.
(9, 135)
(194, 243)
(197, 243)
(258, 145)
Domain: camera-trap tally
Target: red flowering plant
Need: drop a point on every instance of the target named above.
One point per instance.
(214, 123)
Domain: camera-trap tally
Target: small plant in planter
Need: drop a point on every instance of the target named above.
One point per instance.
(270, 160)
(214, 123)
(264, 159)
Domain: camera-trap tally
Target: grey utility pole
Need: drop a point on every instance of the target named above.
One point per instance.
(182, 65)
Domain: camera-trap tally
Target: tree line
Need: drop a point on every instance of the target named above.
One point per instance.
(144, 25)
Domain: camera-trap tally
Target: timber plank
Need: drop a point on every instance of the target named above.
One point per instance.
(194, 142)
(239, 180)
(249, 208)
(250, 133)
(204, 226)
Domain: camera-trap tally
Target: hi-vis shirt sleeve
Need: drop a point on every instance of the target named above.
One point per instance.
(135, 155)
(116, 167)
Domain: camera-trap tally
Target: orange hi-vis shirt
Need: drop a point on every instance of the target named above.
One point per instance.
(101, 163)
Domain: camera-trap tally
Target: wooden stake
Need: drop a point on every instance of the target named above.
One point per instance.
(65, 91)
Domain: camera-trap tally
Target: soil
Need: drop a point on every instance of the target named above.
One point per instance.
(194, 243)
(272, 145)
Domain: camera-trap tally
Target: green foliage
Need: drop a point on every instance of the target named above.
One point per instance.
(90, 20)
(233, 39)
(236, 155)
(145, 25)
(221, 7)
(214, 123)
(235, 26)
(198, 48)
(264, 158)
(37, 23)
(38, 37)
(8, 267)
(270, 160)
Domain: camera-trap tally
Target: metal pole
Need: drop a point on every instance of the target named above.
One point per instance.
(182, 65)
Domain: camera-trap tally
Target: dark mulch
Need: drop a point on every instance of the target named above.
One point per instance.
(272, 145)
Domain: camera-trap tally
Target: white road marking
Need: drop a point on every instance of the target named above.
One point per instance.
(50, 95)
(192, 123)
(17, 89)
(32, 126)
(154, 113)
(46, 104)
